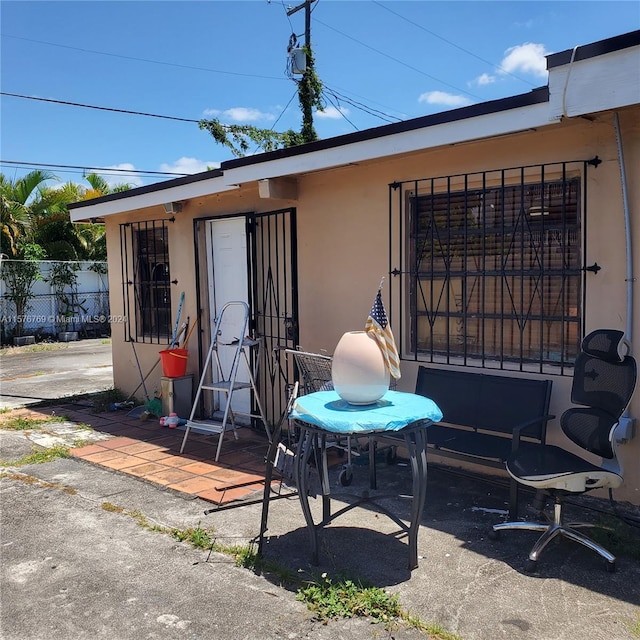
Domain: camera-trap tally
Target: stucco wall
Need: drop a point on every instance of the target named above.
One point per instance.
(342, 218)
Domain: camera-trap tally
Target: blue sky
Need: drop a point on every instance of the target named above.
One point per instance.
(380, 62)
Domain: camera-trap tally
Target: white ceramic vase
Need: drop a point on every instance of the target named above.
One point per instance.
(358, 371)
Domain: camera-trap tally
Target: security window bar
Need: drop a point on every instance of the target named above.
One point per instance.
(496, 278)
(146, 281)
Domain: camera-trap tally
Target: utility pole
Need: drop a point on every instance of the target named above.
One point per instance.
(306, 5)
(309, 88)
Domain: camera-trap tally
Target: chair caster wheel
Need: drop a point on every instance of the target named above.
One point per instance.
(345, 478)
(531, 566)
(610, 566)
(493, 534)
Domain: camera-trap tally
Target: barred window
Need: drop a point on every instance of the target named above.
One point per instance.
(496, 277)
(146, 281)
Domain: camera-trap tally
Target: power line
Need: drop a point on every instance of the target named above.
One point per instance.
(332, 92)
(286, 106)
(147, 60)
(362, 107)
(347, 91)
(453, 44)
(336, 105)
(355, 104)
(404, 64)
(91, 106)
(20, 164)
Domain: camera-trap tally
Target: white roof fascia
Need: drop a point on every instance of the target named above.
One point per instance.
(458, 131)
(605, 82)
(151, 199)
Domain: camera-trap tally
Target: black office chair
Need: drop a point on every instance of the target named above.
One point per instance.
(603, 383)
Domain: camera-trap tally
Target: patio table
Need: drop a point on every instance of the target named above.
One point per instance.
(323, 413)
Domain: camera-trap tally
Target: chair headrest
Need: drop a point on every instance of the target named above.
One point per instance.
(606, 344)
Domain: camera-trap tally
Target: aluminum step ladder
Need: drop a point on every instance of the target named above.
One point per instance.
(231, 341)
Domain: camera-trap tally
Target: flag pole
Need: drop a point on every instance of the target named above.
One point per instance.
(381, 283)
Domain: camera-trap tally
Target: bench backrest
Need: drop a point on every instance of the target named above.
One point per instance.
(484, 401)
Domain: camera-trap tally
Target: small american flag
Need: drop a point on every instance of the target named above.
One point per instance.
(377, 326)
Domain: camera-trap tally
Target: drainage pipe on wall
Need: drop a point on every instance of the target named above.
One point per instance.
(627, 231)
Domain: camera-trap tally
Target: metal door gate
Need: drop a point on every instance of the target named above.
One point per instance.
(273, 298)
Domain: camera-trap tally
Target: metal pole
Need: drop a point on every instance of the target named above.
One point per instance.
(307, 19)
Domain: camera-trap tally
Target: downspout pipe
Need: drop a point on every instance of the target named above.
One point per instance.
(627, 229)
(628, 431)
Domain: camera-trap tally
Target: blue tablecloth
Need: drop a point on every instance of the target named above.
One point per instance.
(393, 412)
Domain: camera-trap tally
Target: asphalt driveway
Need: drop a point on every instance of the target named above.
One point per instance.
(31, 374)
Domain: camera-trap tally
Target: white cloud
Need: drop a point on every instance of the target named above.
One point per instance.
(443, 98)
(189, 165)
(484, 79)
(332, 113)
(525, 58)
(114, 178)
(239, 114)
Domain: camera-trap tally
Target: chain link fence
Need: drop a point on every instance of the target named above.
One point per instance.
(62, 297)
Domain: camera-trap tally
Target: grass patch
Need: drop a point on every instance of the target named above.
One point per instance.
(22, 423)
(244, 555)
(33, 348)
(196, 536)
(113, 508)
(102, 400)
(38, 457)
(345, 598)
(42, 483)
(84, 426)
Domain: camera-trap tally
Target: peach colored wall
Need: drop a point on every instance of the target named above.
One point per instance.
(182, 257)
(342, 218)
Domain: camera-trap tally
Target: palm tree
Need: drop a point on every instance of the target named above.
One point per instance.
(52, 227)
(100, 187)
(93, 240)
(32, 213)
(17, 198)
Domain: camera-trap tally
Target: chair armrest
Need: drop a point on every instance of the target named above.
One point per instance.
(518, 429)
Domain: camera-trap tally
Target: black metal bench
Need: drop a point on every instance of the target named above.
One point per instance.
(486, 417)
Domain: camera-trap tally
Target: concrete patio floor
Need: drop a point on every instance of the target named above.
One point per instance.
(465, 582)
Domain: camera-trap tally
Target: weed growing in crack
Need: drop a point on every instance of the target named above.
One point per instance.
(38, 456)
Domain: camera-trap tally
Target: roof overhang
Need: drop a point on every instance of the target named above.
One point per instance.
(429, 137)
(592, 78)
(587, 86)
(149, 196)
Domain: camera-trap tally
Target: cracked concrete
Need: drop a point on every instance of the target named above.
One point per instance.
(73, 570)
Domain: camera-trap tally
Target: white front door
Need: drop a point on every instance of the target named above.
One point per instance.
(228, 282)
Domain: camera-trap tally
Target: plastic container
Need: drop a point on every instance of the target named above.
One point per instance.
(174, 362)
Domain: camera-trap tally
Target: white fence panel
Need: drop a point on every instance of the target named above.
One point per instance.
(83, 307)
